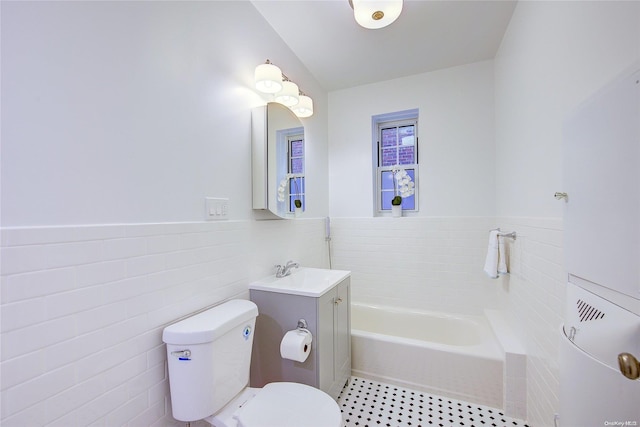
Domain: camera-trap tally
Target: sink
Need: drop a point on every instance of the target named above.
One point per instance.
(311, 282)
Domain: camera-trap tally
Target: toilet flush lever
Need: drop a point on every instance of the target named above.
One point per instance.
(182, 354)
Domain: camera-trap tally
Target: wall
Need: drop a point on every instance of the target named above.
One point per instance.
(553, 56)
(433, 259)
(456, 145)
(118, 119)
(135, 112)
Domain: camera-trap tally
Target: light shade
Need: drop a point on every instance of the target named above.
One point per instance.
(304, 107)
(268, 78)
(374, 14)
(289, 94)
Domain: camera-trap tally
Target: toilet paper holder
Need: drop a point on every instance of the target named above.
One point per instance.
(302, 324)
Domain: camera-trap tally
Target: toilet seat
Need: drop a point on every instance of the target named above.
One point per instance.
(284, 404)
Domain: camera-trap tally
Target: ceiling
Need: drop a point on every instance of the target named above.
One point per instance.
(429, 35)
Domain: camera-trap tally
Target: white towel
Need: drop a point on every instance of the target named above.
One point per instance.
(496, 261)
(491, 262)
(502, 256)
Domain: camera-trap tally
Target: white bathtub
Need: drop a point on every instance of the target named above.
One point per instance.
(449, 355)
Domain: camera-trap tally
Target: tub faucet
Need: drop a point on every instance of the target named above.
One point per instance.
(285, 270)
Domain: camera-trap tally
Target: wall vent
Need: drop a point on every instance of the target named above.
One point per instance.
(586, 312)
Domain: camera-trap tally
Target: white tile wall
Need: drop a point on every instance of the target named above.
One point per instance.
(432, 263)
(536, 290)
(83, 308)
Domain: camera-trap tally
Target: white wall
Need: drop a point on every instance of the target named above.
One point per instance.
(118, 119)
(553, 56)
(456, 144)
(133, 112)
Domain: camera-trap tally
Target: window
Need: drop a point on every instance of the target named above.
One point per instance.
(396, 148)
(295, 169)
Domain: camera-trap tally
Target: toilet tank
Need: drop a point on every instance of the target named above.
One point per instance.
(208, 358)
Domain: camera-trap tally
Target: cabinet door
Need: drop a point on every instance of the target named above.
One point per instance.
(602, 180)
(326, 341)
(342, 334)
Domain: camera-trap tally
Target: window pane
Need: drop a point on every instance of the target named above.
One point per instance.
(386, 180)
(292, 203)
(389, 137)
(297, 148)
(295, 186)
(389, 157)
(386, 197)
(407, 135)
(406, 155)
(409, 202)
(297, 165)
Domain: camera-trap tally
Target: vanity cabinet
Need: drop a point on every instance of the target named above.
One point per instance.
(328, 317)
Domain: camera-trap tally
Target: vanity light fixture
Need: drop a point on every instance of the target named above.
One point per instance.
(304, 107)
(269, 79)
(289, 95)
(374, 14)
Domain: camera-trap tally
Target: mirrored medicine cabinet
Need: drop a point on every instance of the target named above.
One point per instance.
(277, 162)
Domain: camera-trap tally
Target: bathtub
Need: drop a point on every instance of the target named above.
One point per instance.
(456, 356)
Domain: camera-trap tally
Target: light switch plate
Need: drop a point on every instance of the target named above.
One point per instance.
(216, 208)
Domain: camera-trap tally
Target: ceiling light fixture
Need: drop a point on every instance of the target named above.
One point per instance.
(374, 14)
(269, 79)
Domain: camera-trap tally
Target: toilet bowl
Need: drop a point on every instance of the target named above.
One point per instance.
(279, 404)
(208, 359)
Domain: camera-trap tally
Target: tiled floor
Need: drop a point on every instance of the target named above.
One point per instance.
(370, 403)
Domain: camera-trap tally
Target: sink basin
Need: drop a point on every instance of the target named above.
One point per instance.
(311, 282)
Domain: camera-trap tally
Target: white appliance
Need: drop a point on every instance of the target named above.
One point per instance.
(593, 392)
(600, 340)
(209, 357)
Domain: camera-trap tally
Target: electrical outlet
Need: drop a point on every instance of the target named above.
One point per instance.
(216, 208)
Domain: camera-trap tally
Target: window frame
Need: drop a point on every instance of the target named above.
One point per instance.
(384, 121)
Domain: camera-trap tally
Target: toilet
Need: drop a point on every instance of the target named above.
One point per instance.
(209, 357)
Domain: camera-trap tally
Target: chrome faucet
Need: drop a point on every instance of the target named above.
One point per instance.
(285, 270)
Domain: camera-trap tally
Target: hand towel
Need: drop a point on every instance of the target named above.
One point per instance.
(491, 262)
(502, 256)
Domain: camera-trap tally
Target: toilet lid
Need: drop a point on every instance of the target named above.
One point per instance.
(289, 405)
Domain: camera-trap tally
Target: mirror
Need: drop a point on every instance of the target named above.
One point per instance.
(277, 162)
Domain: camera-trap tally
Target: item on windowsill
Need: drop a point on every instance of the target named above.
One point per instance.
(404, 187)
(283, 187)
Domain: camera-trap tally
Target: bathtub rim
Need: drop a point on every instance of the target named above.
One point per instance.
(489, 348)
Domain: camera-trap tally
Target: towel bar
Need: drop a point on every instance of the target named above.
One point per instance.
(511, 235)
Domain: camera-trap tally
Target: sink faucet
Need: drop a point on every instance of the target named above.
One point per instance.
(285, 270)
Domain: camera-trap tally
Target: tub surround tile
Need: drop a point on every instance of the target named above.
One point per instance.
(429, 263)
(535, 291)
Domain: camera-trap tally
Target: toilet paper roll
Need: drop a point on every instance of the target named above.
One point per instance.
(296, 345)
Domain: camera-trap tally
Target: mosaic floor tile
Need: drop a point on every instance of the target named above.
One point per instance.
(366, 403)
